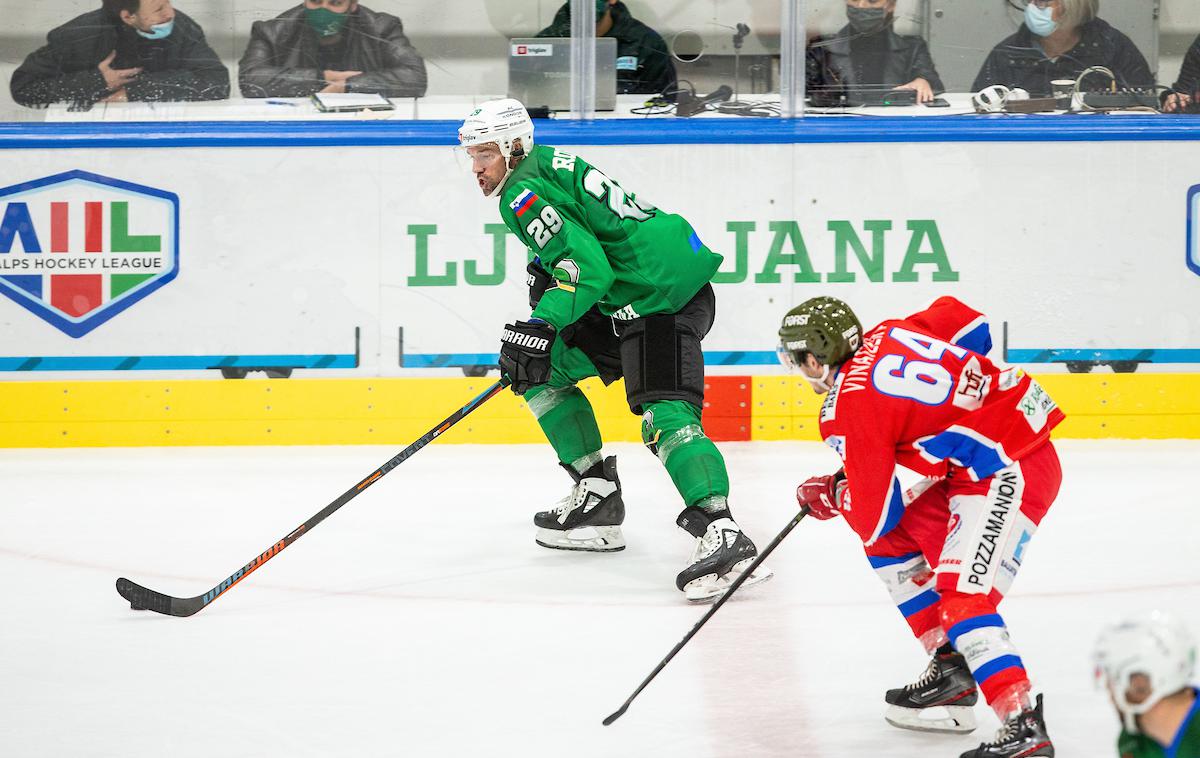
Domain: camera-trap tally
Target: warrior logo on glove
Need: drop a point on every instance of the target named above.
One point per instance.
(525, 354)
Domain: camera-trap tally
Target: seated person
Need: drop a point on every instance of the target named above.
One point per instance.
(330, 46)
(1186, 92)
(869, 52)
(126, 50)
(643, 63)
(1059, 39)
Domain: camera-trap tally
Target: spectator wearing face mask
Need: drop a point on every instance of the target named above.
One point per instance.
(1059, 40)
(869, 52)
(124, 50)
(330, 46)
(1186, 92)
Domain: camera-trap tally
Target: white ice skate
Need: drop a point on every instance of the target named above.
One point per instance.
(722, 553)
(589, 518)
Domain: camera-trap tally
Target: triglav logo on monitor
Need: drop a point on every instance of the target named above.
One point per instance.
(533, 50)
(1193, 230)
(77, 248)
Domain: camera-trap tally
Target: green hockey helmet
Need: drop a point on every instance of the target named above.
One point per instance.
(823, 326)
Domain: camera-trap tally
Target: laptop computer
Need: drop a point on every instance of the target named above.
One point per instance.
(539, 72)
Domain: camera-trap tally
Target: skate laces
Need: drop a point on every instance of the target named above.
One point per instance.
(932, 671)
(570, 502)
(711, 541)
(1006, 732)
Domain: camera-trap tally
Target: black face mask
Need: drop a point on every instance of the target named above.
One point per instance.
(868, 20)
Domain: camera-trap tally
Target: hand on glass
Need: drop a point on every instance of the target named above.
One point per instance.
(116, 78)
(924, 91)
(120, 96)
(1176, 101)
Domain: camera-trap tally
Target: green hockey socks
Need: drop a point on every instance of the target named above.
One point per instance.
(567, 419)
(672, 431)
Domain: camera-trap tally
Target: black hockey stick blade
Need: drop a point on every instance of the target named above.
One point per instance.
(704, 619)
(143, 599)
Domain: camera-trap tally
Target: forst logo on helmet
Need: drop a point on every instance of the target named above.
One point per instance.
(77, 248)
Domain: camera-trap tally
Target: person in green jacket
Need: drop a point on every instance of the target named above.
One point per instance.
(1147, 663)
(643, 62)
(618, 288)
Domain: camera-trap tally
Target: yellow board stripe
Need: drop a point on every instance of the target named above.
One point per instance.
(276, 412)
(1152, 406)
(397, 411)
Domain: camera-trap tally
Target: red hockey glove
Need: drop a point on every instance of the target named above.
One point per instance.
(822, 495)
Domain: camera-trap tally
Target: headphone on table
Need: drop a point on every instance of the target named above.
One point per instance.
(995, 99)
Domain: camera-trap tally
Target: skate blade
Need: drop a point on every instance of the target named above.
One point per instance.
(588, 539)
(706, 589)
(957, 719)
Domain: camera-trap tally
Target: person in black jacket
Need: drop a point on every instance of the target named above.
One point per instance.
(330, 46)
(869, 52)
(643, 63)
(1186, 92)
(1059, 39)
(126, 50)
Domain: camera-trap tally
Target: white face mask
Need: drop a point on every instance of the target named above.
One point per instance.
(1040, 20)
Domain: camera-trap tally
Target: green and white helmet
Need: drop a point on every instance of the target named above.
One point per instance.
(503, 122)
(823, 326)
(1155, 646)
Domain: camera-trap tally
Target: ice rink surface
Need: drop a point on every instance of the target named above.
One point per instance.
(422, 620)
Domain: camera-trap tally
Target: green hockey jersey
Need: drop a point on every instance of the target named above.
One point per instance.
(1185, 745)
(603, 245)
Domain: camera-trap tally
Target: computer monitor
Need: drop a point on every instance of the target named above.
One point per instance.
(539, 72)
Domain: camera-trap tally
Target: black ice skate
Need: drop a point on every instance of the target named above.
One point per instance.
(722, 553)
(590, 517)
(940, 701)
(1024, 736)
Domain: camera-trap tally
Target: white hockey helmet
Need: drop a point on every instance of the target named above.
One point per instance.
(1156, 646)
(503, 122)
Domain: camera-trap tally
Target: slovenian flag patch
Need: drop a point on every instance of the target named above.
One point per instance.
(523, 202)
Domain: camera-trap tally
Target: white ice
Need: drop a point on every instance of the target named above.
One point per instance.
(422, 620)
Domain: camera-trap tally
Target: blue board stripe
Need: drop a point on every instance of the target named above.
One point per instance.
(457, 360)
(639, 131)
(712, 358)
(173, 362)
(1144, 355)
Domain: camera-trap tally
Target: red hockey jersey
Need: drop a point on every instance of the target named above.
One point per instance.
(920, 393)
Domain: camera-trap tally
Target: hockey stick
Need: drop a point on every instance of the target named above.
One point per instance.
(716, 606)
(141, 598)
(911, 494)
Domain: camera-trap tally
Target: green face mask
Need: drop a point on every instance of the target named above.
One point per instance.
(325, 22)
(601, 7)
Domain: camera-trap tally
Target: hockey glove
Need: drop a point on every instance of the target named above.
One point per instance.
(823, 495)
(525, 354)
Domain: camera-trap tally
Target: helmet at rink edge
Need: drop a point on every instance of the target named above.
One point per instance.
(823, 326)
(1156, 646)
(502, 121)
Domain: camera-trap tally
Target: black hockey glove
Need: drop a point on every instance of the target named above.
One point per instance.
(525, 354)
(538, 279)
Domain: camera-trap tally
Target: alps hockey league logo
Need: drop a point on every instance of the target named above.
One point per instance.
(1193, 229)
(76, 248)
